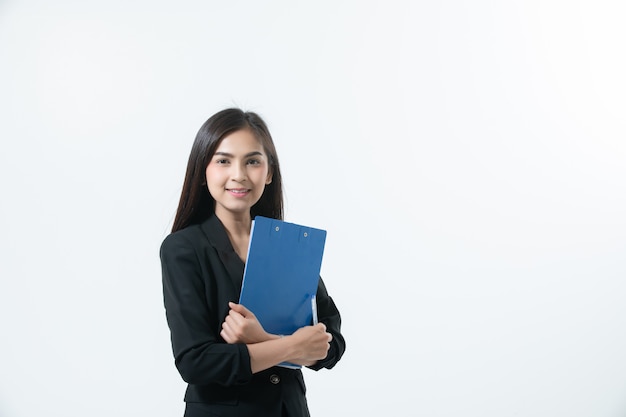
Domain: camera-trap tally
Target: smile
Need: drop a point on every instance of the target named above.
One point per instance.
(238, 191)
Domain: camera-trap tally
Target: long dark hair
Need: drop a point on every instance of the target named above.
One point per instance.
(196, 204)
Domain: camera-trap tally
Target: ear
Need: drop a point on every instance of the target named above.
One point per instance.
(268, 180)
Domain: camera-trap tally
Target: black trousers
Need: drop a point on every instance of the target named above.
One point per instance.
(206, 410)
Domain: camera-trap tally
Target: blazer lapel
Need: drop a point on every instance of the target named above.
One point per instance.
(216, 234)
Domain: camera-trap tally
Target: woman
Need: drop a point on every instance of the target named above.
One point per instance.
(220, 349)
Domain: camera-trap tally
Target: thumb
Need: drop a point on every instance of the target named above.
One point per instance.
(321, 325)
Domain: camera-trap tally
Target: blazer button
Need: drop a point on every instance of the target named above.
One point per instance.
(274, 379)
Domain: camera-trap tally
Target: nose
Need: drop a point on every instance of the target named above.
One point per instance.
(239, 173)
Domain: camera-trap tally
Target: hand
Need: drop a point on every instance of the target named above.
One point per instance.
(314, 343)
(242, 326)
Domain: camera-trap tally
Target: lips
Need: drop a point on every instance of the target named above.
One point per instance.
(238, 191)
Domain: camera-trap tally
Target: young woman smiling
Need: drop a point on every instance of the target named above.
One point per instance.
(220, 349)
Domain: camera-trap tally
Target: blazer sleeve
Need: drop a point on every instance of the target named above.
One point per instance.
(200, 354)
(329, 315)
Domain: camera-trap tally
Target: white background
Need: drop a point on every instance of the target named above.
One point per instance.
(467, 158)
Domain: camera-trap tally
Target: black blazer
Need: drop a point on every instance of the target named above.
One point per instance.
(201, 274)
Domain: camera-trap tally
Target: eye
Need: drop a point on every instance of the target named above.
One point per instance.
(254, 161)
(221, 161)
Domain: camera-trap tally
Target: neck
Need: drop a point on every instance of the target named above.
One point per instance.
(238, 231)
(236, 224)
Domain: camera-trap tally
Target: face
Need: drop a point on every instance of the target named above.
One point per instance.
(237, 174)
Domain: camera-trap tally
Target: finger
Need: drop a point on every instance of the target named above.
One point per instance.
(226, 327)
(240, 308)
(225, 335)
(230, 320)
(235, 316)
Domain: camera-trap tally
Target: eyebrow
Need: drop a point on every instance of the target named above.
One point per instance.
(230, 155)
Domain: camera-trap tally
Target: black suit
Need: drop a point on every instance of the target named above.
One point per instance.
(201, 274)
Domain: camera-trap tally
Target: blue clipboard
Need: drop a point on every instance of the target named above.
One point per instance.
(282, 273)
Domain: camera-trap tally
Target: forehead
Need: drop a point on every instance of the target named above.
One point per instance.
(240, 141)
